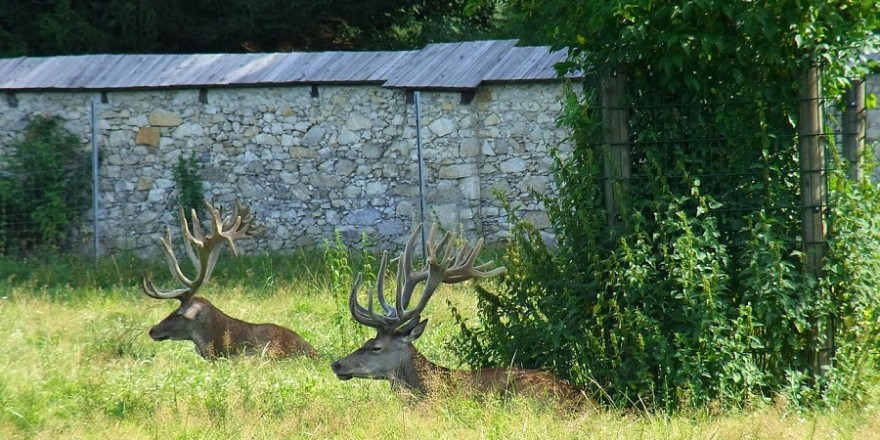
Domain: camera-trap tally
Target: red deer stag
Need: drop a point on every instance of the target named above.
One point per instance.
(391, 355)
(215, 333)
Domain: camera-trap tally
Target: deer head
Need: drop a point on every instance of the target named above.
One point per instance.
(391, 354)
(202, 251)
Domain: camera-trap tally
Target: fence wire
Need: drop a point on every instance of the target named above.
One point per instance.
(701, 147)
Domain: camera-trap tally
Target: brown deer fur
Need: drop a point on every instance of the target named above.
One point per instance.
(217, 334)
(393, 357)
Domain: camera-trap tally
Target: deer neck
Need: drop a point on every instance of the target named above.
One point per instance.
(420, 376)
(219, 336)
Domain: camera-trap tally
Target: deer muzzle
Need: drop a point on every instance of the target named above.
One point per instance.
(340, 371)
(158, 335)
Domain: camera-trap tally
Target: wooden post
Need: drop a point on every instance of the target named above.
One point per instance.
(615, 119)
(812, 168)
(853, 122)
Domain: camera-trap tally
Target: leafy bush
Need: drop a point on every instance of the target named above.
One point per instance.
(852, 274)
(44, 188)
(190, 186)
(697, 292)
(673, 309)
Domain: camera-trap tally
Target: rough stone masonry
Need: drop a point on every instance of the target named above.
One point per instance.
(308, 166)
(344, 159)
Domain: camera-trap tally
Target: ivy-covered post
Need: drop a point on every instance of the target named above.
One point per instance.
(615, 119)
(812, 168)
(854, 115)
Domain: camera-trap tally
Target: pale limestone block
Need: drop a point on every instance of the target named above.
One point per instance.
(456, 171)
(149, 136)
(164, 118)
(441, 127)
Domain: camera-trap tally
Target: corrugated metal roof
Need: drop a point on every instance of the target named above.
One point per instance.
(449, 66)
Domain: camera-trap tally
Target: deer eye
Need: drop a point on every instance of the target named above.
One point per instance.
(376, 348)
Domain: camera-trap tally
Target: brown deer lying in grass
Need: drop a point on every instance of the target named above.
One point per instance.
(391, 355)
(215, 333)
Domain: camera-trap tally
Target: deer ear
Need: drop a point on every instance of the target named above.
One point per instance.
(192, 311)
(415, 332)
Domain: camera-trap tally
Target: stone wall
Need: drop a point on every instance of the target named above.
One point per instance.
(308, 165)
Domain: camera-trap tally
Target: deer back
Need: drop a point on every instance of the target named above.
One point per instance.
(530, 382)
(217, 334)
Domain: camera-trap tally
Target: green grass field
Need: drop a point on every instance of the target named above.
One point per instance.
(77, 363)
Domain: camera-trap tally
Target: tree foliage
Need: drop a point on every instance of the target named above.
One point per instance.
(698, 291)
(54, 27)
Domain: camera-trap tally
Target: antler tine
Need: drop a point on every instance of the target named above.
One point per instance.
(432, 274)
(202, 250)
(190, 238)
(368, 316)
(406, 278)
(444, 264)
(234, 226)
(463, 269)
(185, 293)
(359, 313)
(238, 211)
(380, 287)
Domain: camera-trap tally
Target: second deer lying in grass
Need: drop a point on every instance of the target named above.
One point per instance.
(392, 356)
(215, 333)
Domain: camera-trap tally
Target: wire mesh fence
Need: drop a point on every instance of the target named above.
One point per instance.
(46, 182)
(701, 149)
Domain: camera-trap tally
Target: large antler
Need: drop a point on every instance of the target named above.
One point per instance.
(201, 249)
(442, 265)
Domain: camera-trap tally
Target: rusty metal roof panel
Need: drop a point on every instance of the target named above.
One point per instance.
(451, 66)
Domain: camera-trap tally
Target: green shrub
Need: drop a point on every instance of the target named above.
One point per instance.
(697, 291)
(44, 188)
(190, 186)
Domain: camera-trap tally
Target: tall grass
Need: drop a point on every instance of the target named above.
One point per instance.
(76, 362)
